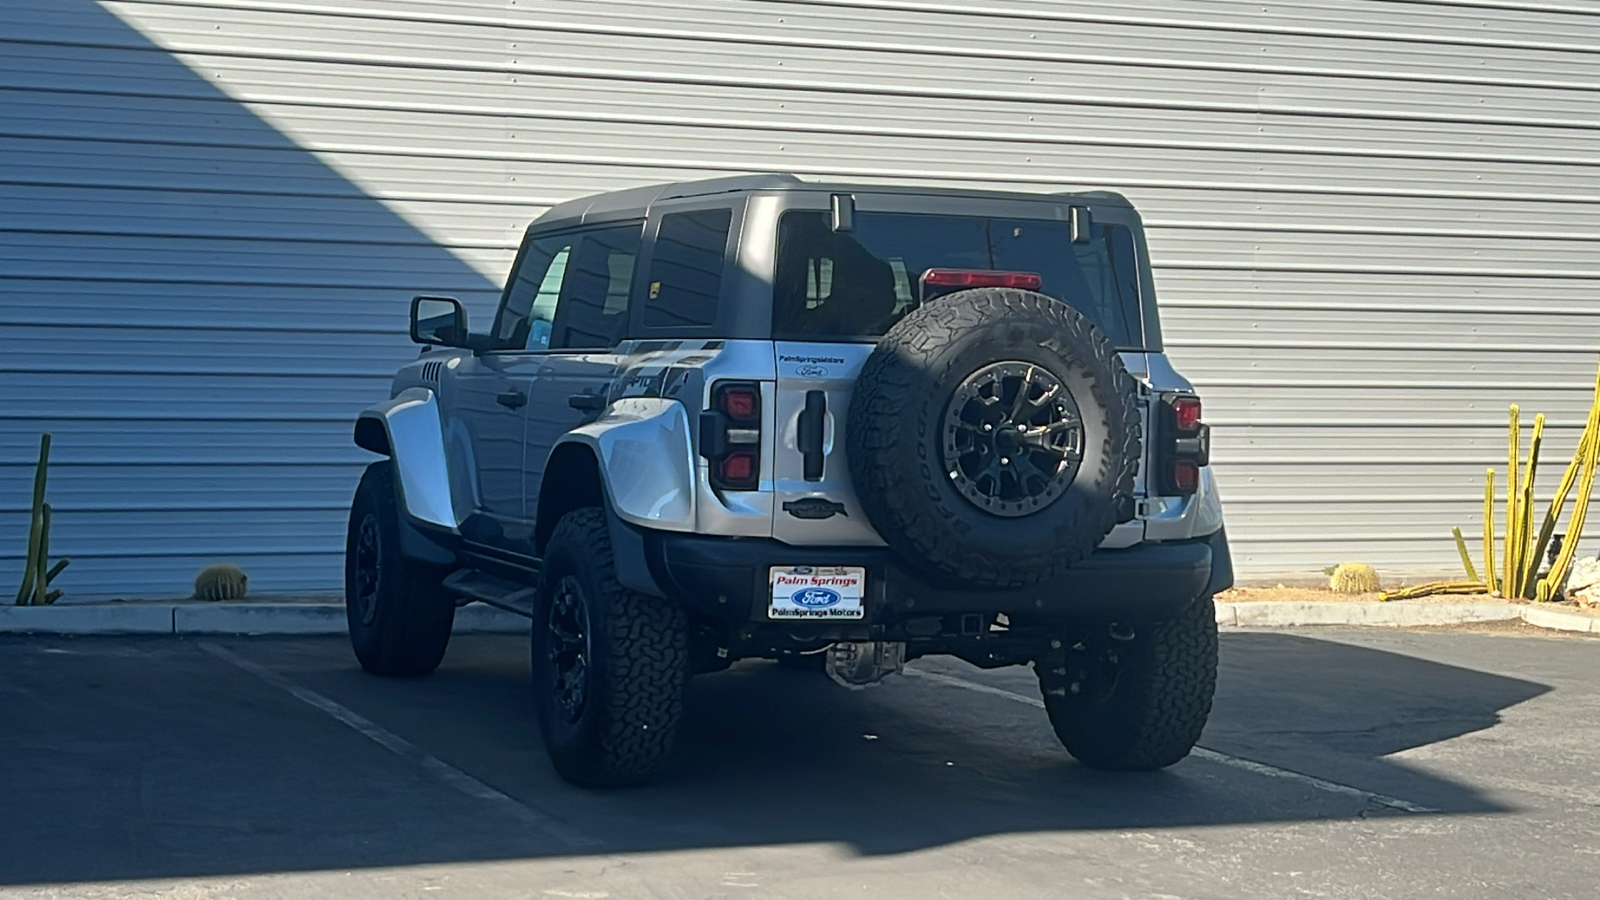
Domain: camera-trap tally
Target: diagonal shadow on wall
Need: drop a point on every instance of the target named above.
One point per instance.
(194, 305)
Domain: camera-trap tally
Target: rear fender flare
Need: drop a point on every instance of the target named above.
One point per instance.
(638, 462)
(645, 453)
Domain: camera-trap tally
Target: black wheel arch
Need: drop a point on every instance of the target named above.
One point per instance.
(572, 481)
(372, 434)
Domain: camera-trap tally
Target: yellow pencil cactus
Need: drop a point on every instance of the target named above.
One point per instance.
(1513, 516)
(1488, 531)
(1521, 550)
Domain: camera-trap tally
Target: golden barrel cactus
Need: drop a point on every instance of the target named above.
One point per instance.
(222, 582)
(1353, 578)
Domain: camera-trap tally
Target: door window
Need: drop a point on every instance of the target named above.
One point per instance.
(686, 269)
(526, 315)
(592, 311)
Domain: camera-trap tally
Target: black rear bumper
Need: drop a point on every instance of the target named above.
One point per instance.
(726, 579)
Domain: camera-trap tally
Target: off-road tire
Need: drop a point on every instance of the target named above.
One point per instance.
(1161, 699)
(401, 625)
(637, 665)
(896, 421)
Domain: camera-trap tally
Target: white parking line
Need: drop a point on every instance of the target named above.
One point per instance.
(1247, 765)
(404, 749)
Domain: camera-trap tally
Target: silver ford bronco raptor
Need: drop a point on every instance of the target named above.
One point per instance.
(839, 426)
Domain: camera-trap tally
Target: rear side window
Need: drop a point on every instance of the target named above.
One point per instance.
(592, 311)
(855, 286)
(686, 269)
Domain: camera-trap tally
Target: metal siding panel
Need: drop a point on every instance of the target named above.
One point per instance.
(1375, 225)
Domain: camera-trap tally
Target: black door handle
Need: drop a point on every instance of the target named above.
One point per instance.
(514, 399)
(587, 402)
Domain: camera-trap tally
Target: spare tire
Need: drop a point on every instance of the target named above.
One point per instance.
(990, 434)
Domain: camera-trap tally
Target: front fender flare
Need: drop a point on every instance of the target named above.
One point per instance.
(413, 438)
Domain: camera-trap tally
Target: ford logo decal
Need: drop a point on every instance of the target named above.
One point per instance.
(815, 598)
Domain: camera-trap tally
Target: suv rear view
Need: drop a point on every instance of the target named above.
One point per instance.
(838, 426)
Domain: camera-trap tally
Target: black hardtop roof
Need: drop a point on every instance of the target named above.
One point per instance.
(641, 198)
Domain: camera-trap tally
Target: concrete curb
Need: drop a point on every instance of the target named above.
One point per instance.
(329, 618)
(129, 619)
(1396, 614)
(220, 618)
(1560, 619)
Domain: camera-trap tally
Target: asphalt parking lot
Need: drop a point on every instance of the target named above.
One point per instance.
(1338, 763)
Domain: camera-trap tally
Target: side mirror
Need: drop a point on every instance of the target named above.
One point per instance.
(441, 321)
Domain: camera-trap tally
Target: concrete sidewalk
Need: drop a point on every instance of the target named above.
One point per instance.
(284, 617)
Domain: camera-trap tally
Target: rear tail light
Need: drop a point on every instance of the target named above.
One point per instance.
(1183, 444)
(1185, 476)
(1186, 413)
(737, 468)
(739, 402)
(730, 435)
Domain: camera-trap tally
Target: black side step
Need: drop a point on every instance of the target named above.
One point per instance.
(508, 595)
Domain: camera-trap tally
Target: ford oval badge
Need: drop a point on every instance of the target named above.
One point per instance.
(815, 598)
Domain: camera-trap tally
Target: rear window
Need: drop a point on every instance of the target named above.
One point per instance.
(855, 286)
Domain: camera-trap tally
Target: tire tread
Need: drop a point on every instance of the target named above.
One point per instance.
(411, 630)
(640, 701)
(1162, 700)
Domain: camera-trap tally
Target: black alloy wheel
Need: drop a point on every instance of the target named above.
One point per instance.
(568, 649)
(368, 561)
(1013, 438)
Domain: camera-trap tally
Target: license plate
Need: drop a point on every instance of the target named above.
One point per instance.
(817, 592)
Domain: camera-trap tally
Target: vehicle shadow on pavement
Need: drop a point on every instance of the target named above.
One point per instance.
(147, 758)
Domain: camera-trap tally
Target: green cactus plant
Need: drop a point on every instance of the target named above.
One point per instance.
(221, 582)
(1353, 578)
(37, 573)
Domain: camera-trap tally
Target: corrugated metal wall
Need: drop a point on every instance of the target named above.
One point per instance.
(1375, 225)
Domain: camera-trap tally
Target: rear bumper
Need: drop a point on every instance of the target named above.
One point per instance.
(726, 579)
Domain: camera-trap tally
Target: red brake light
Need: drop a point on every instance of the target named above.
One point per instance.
(741, 404)
(1186, 413)
(1186, 476)
(969, 278)
(738, 469)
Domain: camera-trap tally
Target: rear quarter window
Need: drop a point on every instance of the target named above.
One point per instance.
(686, 269)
